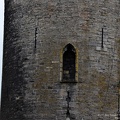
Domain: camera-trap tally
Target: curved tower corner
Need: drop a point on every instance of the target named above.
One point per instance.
(13, 83)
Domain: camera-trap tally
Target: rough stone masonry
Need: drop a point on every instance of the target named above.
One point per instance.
(61, 60)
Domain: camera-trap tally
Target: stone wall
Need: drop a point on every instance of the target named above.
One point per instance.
(36, 33)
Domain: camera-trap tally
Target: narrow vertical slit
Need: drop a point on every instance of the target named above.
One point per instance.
(35, 37)
(102, 39)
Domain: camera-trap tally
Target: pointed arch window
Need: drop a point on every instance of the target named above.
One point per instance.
(69, 64)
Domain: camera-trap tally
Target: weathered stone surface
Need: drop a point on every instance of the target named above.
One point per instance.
(32, 69)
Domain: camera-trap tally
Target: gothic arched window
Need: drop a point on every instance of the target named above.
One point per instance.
(69, 59)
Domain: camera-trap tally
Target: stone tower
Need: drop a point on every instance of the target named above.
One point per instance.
(61, 60)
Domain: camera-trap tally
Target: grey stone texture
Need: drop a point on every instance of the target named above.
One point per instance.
(32, 87)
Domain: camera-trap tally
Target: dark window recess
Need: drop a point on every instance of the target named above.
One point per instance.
(69, 64)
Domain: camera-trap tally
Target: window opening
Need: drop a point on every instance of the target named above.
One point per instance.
(69, 63)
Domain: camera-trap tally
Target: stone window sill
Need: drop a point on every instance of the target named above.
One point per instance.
(66, 81)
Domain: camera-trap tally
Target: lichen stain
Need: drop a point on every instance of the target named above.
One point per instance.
(45, 95)
(102, 85)
(100, 82)
(118, 20)
(85, 14)
(85, 26)
(118, 51)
